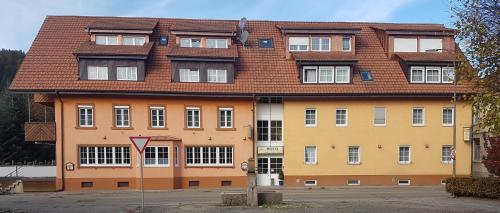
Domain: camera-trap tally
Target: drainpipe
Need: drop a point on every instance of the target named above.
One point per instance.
(254, 129)
(62, 140)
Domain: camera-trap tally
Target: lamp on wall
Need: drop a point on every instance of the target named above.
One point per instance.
(380, 146)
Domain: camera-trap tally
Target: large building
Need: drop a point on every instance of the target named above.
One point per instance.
(323, 103)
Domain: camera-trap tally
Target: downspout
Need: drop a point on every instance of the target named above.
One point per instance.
(254, 129)
(62, 139)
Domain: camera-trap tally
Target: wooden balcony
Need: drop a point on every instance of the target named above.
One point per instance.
(40, 131)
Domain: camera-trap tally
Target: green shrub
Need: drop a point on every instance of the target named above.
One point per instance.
(484, 187)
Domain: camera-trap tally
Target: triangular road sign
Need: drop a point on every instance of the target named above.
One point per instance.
(140, 142)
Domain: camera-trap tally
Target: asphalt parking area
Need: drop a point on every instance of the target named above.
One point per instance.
(341, 199)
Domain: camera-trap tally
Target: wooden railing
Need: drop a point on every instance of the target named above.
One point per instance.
(40, 131)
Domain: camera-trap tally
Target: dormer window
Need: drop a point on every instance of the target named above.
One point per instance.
(126, 73)
(189, 75)
(417, 74)
(106, 40)
(448, 74)
(310, 74)
(191, 42)
(216, 43)
(346, 44)
(326, 74)
(433, 74)
(320, 44)
(134, 40)
(298, 43)
(97, 73)
(405, 45)
(430, 44)
(217, 76)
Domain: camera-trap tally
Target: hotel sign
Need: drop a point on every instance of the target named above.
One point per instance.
(270, 150)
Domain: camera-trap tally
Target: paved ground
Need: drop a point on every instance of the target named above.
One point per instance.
(343, 199)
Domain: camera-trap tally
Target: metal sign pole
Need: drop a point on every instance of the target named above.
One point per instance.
(142, 185)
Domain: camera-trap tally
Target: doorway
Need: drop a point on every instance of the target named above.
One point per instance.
(268, 169)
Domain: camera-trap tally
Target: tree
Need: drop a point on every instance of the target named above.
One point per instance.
(492, 160)
(478, 25)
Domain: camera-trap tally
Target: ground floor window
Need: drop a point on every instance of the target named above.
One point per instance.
(209, 156)
(156, 156)
(446, 154)
(104, 156)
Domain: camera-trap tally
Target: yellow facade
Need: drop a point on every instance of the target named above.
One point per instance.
(378, 144)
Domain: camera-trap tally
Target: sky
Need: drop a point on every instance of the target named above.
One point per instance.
(21, 19)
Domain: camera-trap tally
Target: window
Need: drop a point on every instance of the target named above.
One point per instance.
(216, 43)
(298, 43)
(226, 117)
(189, 75)
(310, 155)
(276, 165)
(447, 116)
(404, 182)
(262, 130)
(417, 74)
(121, 184)
(346, 44)
(342, 74)
(448, 75)
(430, 44)
(446, 154)
(176, 156)
(157, 116)
(418, 118)
(193, 117)
(325, 74)
(97, 73)
(310, 74)
(104, 156)
(341, 117)
(310, 183)
(353, 155)
(379, 116)
(404, 154)
(85, 116)
(276, 130)
(476, 150)
(320, 44)
(353, 182)
(106, 40)
(122, 116)
(310, 117)
(433, 74)
(266, 43)
(405, 45)
(156, 156)
(209, 156)
(217, 76)
(126, 73)
(134, 40)
(366, 75)
(262, 165)
(87, 184)
(226, 183)
(191, 42)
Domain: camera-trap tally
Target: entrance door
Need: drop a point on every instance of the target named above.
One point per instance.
(268, 169)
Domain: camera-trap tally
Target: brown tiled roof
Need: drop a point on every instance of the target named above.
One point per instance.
(91, 49)
(427, 57)
(177, 51)
(318, 26)
(413, 27)
(112, 23)
(323, 56)
(50, 65)
(208, 26)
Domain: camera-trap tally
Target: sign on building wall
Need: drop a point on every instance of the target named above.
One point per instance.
(270, 150)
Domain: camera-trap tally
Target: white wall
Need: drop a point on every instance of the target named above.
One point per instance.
(29, 171)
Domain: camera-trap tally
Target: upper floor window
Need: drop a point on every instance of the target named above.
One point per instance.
(476, 150)
(341, 117)
(448, 116)
(379, 116)
(134, 40)
(157, 116)
(217, 76)
(326, 74)
(97, 73)
(346, 44)
(85, 116)
(189, 75)
(310, 74)
(126, 73)
(320, 44)
(405, 45)
(191, 42)
(311, 117)
(298, 43)
(433, 74)
(225, 117)
(216, 43)
(276, 130)
(430, 44)
(106, 40)
(448, 74)
(193, 117)
(418, 116)
(122, 116)
(342, 74)
(417, 75)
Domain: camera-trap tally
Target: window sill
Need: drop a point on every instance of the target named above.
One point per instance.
(354, 164)
(311, 126)
(194, 129)
(86, 128)
(404, 163)
(447, 163)
(156, 166)
(103, 166)
(157, 128)
(340, 125)
(447, 125)
(225, 129)
(379, 125)
(122, 128)
(414, 125)
(311, 164)
(208, 166)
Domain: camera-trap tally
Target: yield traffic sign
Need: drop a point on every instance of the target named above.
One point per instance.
(140, 142)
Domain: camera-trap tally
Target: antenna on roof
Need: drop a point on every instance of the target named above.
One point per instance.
(242, 24)
(243, 32)
(244, 37)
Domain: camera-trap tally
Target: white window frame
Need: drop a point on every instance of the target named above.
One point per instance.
(358, 153)
(157, 124)
(404, 184)
(107, 39)
(217, 41)
(156, 160)
(304, 68)
(130, 73)
(101, 73)
(190, 77)
(114, 152)
(442, 116)
(348, 79)
(325, 68)
(193, 121)
(315, 160)
(116, 108)
(413, 115)
(321, 44)
(86, 116)
(385, 116)
(451, 154)
(190, 42)
(427, 73)
(315, 117)
(217, 156)
(350, 44)
(409, 155)
(423, 74)
(218, 73)
(358, 182)
(346, 117)
(443, 75)
(310, 184)
(476, 148)
(225, 126)
(426, 42)
(298, 50)
(407, 48)
(135, 40)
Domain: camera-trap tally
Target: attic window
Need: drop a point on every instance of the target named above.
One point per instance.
(366, 75)
(266, 43)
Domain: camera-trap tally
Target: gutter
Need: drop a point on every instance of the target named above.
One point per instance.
(62, 139)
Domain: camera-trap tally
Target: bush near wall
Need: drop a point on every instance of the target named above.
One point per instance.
(483, 187)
